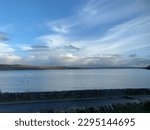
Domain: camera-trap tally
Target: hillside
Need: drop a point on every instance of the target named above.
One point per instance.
(28, 67)
(148, 67)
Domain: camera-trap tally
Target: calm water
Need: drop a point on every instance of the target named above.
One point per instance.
(56, 80)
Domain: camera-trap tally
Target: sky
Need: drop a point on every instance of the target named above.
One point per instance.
(75, 32)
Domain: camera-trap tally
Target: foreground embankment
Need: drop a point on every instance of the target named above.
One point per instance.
(114, 100)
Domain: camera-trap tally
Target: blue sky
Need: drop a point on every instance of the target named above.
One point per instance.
(75, 32)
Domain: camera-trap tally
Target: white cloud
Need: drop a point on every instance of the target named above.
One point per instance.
(9, 59)
(122, 38)
(26, 48)
(110, 28)
(5, 49)
(105, 11)
(69, 57)
(58, 27)
(7, 54)
(133, 27)
(98, 13)
(53, 40)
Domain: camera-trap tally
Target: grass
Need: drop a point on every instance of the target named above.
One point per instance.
(143, 107)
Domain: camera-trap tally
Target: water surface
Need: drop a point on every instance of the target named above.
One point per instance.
(58, 80)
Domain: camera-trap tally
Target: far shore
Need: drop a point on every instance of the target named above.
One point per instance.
(7, 67)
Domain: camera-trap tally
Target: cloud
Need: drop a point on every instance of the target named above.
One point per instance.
(72, 47)
(124, 38)
(7, 54)
(36, 53)
(3, 36)
(95, 13)
(35, 48)
(98, 33)
(108, 13)
(53, 40)
(59, 27)
(133, 55)
(64, 25)
(26, 48)
(138, 61)
(69, 57)
(73, 59)
(9, 59)
(129, 28)
(104, 60)
(5, 49)
(125, 27)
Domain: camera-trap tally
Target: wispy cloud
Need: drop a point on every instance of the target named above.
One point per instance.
(61, 26)
(99, 13)
(53, 40)
(131, 35)
(106, 11)
(7, 28)
(98, 33)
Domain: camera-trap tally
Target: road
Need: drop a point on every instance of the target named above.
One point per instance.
(38, 106)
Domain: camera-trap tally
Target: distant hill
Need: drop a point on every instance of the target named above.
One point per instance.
(148, 67)
(30, 67)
